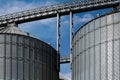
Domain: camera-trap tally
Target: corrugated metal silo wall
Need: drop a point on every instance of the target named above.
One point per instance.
(96, 49)
(26, 58)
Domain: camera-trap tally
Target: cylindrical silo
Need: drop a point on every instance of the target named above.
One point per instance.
(23, 57)
(96, 49)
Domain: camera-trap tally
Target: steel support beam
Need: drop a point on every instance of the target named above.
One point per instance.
(71, 33)
(58, 38)
(58, 33)
(65, 59)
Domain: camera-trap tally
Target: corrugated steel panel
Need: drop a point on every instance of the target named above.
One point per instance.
(26, 58)
(99, 49)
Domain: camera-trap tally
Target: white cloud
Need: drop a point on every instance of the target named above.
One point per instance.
(15, 6)
(65, 21)
(48, 22)
(50, 3)
(65, 76)
(68, 75)
(84, 18)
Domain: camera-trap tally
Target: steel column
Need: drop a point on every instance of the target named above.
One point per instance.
(58, 40)
(58, 33)
(71, 31)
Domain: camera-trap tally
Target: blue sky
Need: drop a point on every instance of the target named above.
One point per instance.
(46, 29)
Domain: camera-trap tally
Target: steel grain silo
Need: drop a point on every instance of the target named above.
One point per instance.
(23, 57)
(96, 49)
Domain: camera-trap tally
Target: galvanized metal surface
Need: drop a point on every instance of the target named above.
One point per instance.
(96, 49)
(13, 29)
(71, 33)
(26, 58)
(82, 64)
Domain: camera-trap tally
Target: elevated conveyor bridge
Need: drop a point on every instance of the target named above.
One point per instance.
(53, 10)
(64, 59)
